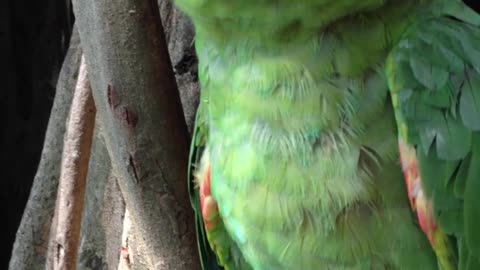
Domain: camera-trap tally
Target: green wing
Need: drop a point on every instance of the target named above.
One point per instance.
(207, 256)
(216, 248)
(434, 78)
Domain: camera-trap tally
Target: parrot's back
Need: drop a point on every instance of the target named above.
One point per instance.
(300, 139)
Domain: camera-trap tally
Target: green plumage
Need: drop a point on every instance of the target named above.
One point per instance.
(434, 74)
(301, 134)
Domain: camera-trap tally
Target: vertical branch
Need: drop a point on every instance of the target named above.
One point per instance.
(30, 248)
(76, 154)
(103, 211)
(140, 114)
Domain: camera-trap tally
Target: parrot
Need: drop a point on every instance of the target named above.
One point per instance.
(336, 134)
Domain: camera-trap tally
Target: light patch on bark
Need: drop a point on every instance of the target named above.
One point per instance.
(125, 259)
(73, 175)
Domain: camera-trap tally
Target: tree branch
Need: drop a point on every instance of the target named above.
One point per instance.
(73, 175)
(30, 247)
(145, 132)
(103, 211)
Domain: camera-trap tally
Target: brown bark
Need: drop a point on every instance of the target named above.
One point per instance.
(73, 175)
(30, 247)
(145, 132)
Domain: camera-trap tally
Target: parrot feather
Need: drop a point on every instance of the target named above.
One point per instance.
(295, 159)
(434, 78)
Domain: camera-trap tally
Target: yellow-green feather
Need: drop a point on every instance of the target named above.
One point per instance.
(301, 131)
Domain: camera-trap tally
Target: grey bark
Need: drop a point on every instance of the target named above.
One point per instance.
(104, 209)
(103, 213)
(30, 247)
(145, 132)
(179, 33)
(34, 39)
(103, 218)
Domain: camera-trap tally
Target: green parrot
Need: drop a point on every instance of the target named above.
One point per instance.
(337, 134)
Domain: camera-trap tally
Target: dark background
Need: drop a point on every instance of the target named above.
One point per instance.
(33, 41)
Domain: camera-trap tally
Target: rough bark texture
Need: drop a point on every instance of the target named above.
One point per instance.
(104, 206)
(104, 210)
(103, 213)
(126, 260)
(73, 175)
(100, 248)
(145, 133)
(29, 251)
(179, 34)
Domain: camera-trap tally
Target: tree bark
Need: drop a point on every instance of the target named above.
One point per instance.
(103, 213)
(145, 132)
(34, 39)
(30, 247)
(73, 175)
(179, 34)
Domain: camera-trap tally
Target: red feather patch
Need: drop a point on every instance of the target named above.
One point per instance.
(419, 203)
(208, 205)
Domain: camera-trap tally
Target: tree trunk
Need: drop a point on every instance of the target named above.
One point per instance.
(143, 125)
(73, 176)
(100, 248)
(104, 204)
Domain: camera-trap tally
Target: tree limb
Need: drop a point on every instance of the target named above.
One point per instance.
(73, 175)
(103, 212)
(30, 247)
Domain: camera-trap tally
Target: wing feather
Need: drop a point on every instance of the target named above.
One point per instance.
(434, 80)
